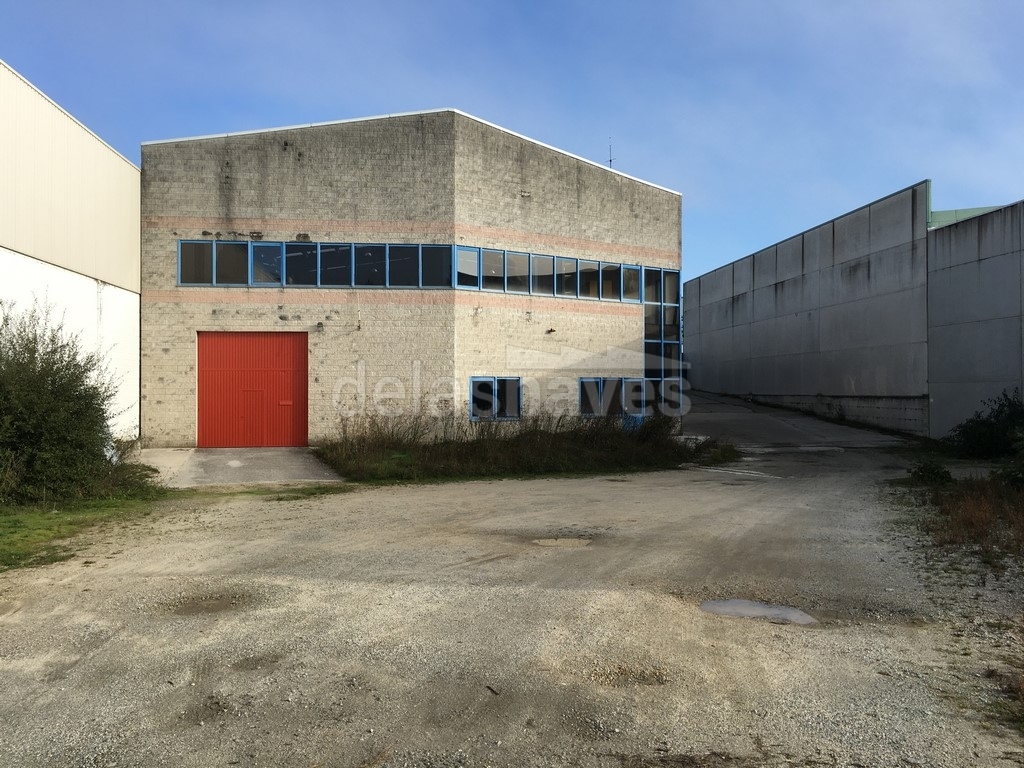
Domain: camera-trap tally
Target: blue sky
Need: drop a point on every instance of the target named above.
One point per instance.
(769, 116)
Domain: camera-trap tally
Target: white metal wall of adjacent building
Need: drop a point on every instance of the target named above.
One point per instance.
(69, 232)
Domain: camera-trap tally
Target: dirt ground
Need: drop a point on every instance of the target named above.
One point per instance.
(513, 623)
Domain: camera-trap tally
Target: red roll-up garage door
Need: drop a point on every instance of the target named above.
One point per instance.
(252, 390)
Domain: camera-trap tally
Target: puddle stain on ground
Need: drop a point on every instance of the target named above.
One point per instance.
(563, 542)
(751, 609)
(210, 604)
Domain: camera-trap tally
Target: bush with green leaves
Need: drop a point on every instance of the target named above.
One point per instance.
(55, 405)
(991, 434)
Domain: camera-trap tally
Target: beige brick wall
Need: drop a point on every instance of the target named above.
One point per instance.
(417, 178)
(514, 193)
(379, 351)
(548, 342)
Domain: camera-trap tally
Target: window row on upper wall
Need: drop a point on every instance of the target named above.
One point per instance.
(265, 264)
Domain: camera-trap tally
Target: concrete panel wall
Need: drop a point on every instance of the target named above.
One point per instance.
(975, 297)
(104, 317)
(833, 315)
(66, 198)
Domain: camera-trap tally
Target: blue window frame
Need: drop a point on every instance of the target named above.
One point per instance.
(602, 397)
(403, 266)
(195, 263)
(637, 397)
(336, 265)
(542, 272)
(407, 265)
(493, 398)
(630, 283)
(468, 269)
(267, 259)
(566, 282)
(371, 266)
(589, 279)
(301, 264)
(492, 269)
(436, 269)
(517, 272)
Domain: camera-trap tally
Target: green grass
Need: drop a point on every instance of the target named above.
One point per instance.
(35, 535)
(419, 449)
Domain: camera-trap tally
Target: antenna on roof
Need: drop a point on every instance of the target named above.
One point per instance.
(610, 158)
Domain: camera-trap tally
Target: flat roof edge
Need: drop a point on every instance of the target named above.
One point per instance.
(414, 114)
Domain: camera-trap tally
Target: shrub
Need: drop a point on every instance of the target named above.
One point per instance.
(419, 447)
(55, 400)
(930, 472)
(992, 434)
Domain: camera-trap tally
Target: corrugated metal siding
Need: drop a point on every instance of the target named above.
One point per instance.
(66, 198)
(253, 390)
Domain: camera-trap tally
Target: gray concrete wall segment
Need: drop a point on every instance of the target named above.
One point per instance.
(691, 294)
(789, 258)
(876, 321)
(764, 267)
(977, 290)
(983, 351)
(818, 248)
(717, 285)
(956, 244)
(908, 415)
(789, 334)
(743, 275)
(922, 203)
(1000, 232)
(852, 235)
(875, 371)
(976, 322)
(892, 221)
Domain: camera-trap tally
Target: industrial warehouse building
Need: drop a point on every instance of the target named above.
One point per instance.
(434, 263)
(60, 185)
(418, 263)
(893, 315)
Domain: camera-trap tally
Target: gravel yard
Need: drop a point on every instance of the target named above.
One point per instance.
(514, 623)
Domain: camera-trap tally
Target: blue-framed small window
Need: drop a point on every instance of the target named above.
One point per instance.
(611, 281)
(494, 398)
(637, 397)
(436, 266)
(670, 287)
(492, 269)
(403, 266)
(590, 397)
(589, 279)
(542, 269)
(517, 272)
(195, 263)
(371, 266)
(267, 260)
(630, 283)
(336, 265)
(652, 285)
(301, 264)
(601, 397)
(566, 281)
(231, 263)
(468, 261)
